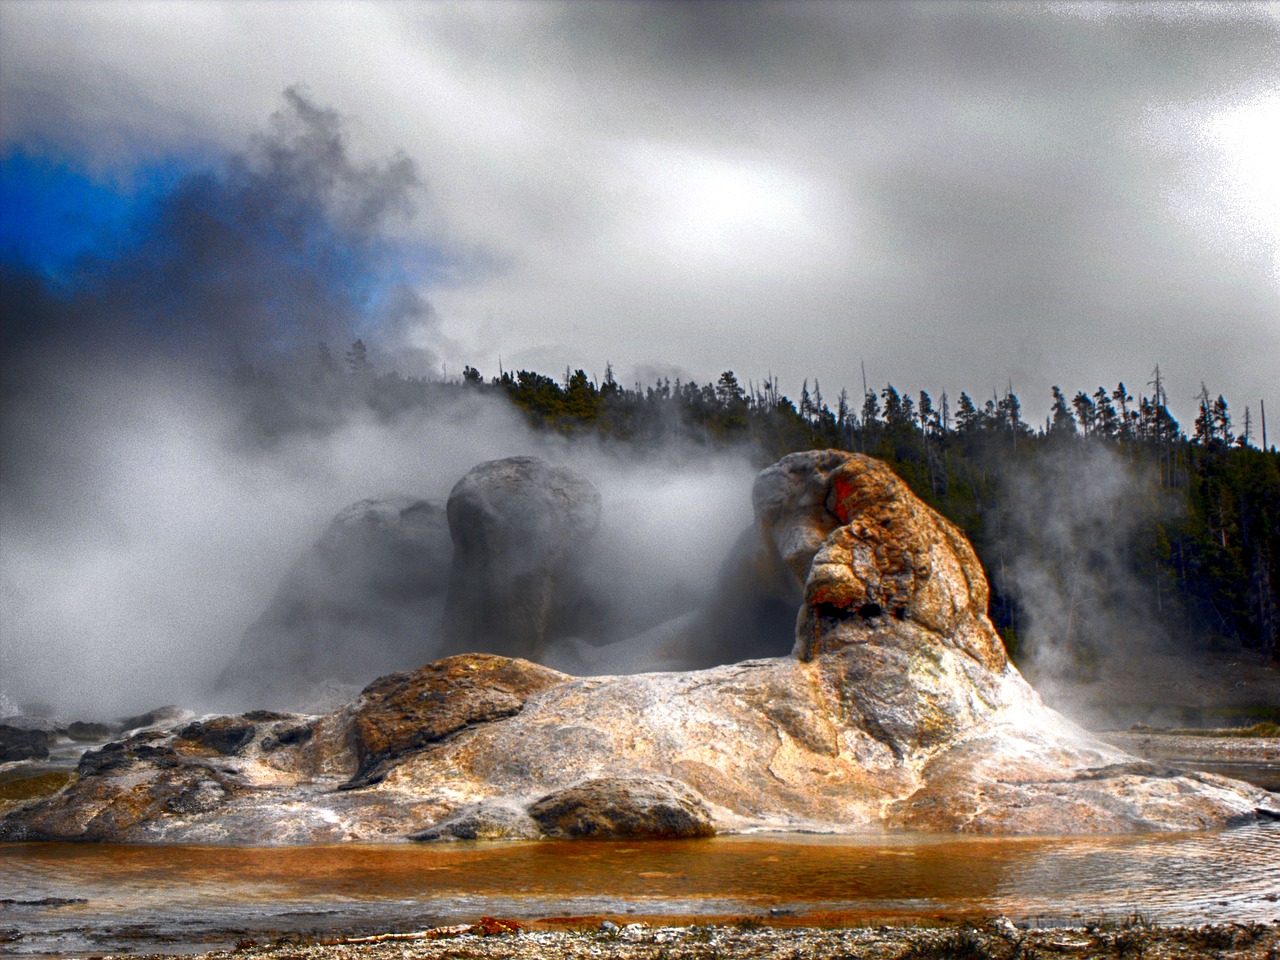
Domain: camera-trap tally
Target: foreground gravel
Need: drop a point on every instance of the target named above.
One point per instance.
(998, 940)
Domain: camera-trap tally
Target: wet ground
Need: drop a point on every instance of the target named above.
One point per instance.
(69, 899)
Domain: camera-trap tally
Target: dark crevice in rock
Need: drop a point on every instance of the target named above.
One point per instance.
(286, 735)
(225, 735)
(831, 611)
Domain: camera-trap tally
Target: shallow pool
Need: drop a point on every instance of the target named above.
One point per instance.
(68, 899)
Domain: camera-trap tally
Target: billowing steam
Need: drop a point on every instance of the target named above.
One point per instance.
(131, 573)
(1073, 529)
(149, 511)
(290, 244)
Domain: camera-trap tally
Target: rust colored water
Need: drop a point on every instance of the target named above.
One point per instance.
(185, 896)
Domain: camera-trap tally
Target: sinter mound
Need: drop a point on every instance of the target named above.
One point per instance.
(899, 709)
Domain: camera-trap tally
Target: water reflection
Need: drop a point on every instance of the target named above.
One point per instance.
(192, 894)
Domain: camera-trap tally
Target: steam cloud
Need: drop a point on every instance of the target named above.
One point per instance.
(1070, 526)
(149, 513)
(287, 245)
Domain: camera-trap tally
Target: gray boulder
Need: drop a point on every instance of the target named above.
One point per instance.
(163, 718)
(623, 808)
(358, 604)
(483, 821)
(519, 526)
(22, 741)
(91, 731)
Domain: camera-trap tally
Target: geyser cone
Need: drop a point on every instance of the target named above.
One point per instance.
(899, 709)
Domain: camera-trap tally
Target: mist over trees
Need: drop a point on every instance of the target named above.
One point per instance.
(1107, 527)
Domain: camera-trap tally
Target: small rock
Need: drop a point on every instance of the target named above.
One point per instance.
(610, 928)
(495, 821)
(224, 735)
(1003, 927)
(26, 721)
(495, 927)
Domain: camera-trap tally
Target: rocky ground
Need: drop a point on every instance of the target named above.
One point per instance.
(997, 940)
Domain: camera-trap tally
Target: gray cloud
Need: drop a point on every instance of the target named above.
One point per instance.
(278, 248)
(961, 194)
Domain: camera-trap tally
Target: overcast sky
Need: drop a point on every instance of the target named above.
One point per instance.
(962, 196)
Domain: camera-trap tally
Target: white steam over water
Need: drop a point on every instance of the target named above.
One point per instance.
(1070, 527)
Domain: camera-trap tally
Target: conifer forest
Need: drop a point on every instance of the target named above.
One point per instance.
(1175, 526)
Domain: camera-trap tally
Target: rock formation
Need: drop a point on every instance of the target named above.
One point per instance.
(898, 710)
(518, 527)
(21, 739)
(359, 603)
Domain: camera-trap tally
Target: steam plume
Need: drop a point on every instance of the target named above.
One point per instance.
(1073, 529)
(151, 503)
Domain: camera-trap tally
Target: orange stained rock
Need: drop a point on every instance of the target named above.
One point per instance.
(878, 551)
(494, 927)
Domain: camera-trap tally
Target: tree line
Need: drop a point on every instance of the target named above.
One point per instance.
(1207, 546)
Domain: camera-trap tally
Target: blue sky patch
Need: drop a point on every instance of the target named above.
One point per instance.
(53, 211)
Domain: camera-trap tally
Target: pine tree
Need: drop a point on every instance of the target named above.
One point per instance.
(894, 415)
(1127, 418)
(967, 417)
(1062, 423)
(610, 386)
(1010, 413)
(1222, 421)
(928, 417)
(1086, 412)
(1107, 423)
(1204, 422)
(870, 410)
